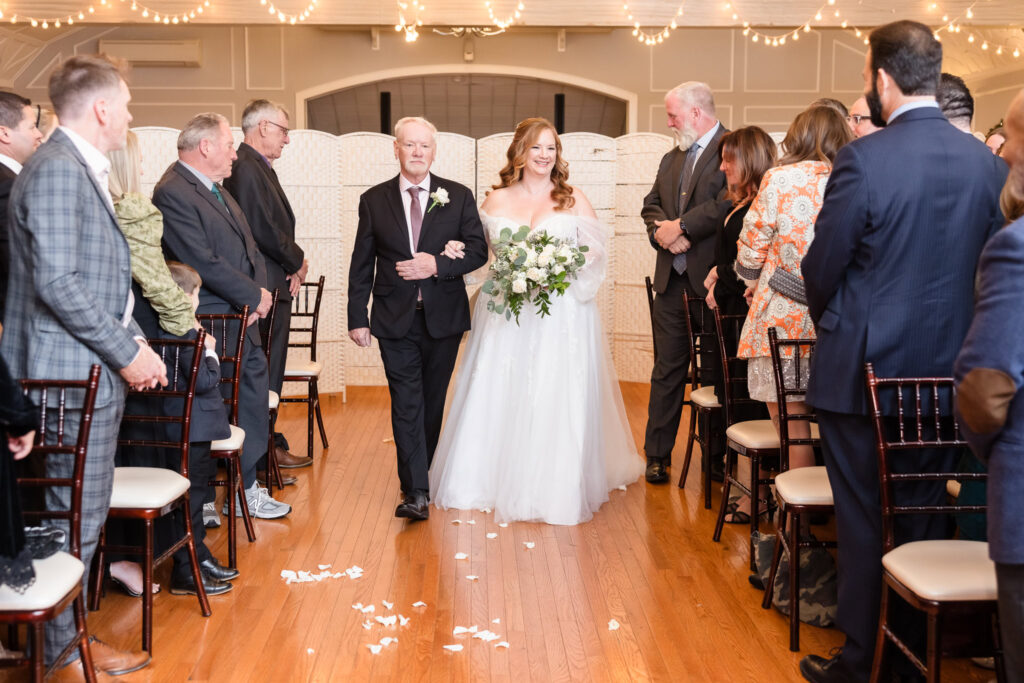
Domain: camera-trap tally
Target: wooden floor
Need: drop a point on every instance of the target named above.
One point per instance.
(646, 560)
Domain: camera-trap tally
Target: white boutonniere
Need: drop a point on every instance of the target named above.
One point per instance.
(439, 197)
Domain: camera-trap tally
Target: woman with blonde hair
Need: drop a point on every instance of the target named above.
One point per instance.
(537, 429)
(777, 232)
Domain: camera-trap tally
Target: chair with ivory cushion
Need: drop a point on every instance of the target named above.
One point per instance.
(158, 419)
(58, 578)
(756, 439)
(800, 492)
(952, 581)
(704, 404)
(305, 321)
(229, 331)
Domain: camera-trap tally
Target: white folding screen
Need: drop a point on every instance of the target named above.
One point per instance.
(324, 175)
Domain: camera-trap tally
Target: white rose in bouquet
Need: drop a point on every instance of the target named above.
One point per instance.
(519, 285)
(558, 269)
(531, 258)
(564, 251)
(544, 260)
(535, 274)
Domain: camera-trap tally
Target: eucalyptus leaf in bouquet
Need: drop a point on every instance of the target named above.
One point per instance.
(529, 268)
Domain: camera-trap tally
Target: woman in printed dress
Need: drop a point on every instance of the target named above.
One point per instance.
(777, 232)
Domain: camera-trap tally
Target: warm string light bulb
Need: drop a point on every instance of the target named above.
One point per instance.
(415, 9)
(514, 16)
(651, 38)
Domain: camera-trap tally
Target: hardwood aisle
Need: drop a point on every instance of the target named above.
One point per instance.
(646, 560)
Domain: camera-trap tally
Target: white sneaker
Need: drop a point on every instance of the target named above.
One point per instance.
(211, 519)
(261, 505)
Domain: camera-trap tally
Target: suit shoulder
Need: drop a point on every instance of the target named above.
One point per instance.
(1008, 239)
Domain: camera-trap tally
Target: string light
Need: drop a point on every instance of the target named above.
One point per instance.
(134, 5)
(507, 21)
(956, 26)
(658, 37)
(415, 8)
(777, 39)
(285, 17)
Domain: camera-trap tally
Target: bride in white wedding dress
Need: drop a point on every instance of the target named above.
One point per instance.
(537, 430)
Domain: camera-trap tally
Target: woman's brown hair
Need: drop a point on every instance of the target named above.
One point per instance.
(816, 134)
(753, 152)
(527, 133)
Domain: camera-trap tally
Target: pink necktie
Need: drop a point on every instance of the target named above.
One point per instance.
(415, 215)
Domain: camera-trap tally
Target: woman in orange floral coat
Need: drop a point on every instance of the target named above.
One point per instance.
(777, 231)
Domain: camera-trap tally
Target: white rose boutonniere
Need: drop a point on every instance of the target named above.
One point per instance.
(439, 197)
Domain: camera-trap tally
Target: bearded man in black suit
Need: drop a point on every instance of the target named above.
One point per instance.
(683, 213)
(420, 307)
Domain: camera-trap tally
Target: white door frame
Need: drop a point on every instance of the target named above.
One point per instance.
(461, 68)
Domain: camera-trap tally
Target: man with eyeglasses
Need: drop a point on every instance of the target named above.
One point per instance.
(254, 184)
(860, 119)
(19, 138)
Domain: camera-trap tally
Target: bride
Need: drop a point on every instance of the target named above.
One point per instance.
(537, 430)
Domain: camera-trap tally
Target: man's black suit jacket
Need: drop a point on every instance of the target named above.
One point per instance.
(890, 273)
(7, 177)
(382, 240)
(215, 240)
(701, 213)
(256, 188)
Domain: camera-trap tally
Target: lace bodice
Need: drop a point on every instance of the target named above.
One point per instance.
(563, 226)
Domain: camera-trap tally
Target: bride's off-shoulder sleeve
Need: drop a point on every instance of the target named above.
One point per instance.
(594, 235)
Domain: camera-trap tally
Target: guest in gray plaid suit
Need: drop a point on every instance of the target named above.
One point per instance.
(69, 298)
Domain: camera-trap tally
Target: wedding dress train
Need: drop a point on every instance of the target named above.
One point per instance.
(537, 430)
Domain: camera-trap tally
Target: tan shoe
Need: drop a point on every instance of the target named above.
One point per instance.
(116, 662)
(286, 479)
(73, 673)
(289, 461)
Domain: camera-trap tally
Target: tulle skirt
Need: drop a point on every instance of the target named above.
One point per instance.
(537, 430)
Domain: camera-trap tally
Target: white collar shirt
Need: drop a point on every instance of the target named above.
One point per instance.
(403, 189)
(11, 163)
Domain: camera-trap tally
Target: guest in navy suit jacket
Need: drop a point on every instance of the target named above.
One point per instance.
(890, 280)
(990, 375)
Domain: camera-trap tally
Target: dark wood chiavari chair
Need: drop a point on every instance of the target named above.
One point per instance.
(305, 322)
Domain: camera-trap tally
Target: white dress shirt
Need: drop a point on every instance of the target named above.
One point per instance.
(704, 141)
(403, 188)
(10, 163)
(99, 168)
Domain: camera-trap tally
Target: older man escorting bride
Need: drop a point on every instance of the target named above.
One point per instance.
(537, 429)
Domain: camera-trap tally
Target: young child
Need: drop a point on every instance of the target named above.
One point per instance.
(209, 423)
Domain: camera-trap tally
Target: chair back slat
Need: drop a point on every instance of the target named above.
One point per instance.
(306, 316)
(231, 348)
(703, 340)
(268, 338)
(50, 444)
(734, 369)
(784, 349)
(923, 418)
(156, 406)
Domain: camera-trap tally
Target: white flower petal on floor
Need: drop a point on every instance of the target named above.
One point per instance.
(529, 544)
(453, 648)
(402, 621)
(496, 621)
(419, 603)
(492, 535)
(461, 556)
(613, 625)
(322, 567)
(486, 511)
(367, 625)
(472, 577)
(456, 521)
(503, 525)
(310, 650)
(486, 636)
(385, 641)
(387, 621)
(459, 630)
(375, 648)
(387, 604)
(472, 521)
(503, 644)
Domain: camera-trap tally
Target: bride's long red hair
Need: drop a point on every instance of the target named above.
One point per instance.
(526, 135)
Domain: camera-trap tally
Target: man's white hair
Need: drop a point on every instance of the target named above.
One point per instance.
(201, 126)
(694, 93)
(258, 110)
(415, 119)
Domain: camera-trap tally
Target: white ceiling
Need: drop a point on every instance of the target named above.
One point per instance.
(567, 13)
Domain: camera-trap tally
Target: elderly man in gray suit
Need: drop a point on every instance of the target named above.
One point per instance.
(205, 228)
(69, 301)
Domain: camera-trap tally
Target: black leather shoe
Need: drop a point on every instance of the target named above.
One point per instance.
(818, 669)
(212, 569)
(656, 472)
(414, 506)
(187, 586)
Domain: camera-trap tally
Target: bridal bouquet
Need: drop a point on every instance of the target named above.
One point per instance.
(529, 268)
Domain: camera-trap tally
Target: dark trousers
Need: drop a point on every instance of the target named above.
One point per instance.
(201, 469)
(418, 367)
(1010, 584)
(848, 445)
(670, 375)
(253, 415)
(278, 353)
